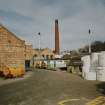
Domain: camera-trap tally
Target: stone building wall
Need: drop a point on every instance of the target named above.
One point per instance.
(12, 49)
(44, 53)
(28, 52)
(47, 53)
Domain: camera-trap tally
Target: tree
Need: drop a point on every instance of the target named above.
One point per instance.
(98, 46)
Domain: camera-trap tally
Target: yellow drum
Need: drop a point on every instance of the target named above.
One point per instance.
(6, 72)
(20, 71)
(13, 72)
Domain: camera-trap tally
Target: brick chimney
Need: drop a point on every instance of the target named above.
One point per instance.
(57, 47)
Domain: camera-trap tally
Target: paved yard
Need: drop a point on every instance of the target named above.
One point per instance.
(49, 88)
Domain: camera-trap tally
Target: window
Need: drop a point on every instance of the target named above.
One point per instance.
(35, 55)
(51, 56)
(43, 56)
(47, 56)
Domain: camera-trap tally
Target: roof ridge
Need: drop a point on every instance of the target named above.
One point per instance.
(11, 32)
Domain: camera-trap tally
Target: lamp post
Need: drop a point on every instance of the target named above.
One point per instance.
(39, 45)
(39, 34)
(89, 41)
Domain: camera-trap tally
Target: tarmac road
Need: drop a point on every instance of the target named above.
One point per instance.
(45, 87)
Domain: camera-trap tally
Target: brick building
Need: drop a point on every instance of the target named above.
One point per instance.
(45, 53)
(15, 53)
(42, 55)
(28, 55)
(28, 52)
(12, 49)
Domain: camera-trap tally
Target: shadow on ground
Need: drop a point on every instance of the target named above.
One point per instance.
(101, 87)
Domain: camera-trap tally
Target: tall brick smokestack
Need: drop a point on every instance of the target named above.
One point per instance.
(57, 47)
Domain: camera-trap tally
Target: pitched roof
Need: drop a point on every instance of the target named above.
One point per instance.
(2, 26)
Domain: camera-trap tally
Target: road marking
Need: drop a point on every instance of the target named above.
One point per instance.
(68, 100)
(97, 101)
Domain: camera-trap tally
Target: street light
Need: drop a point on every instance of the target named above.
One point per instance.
(39, 42)
(39, 34)
(89, 41)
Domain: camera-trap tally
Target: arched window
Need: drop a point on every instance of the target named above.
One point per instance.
(47, 56)
(43, 56)
(35, 55)
(9, 44)
(51, 56)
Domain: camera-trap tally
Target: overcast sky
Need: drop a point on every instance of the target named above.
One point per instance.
(28, 17)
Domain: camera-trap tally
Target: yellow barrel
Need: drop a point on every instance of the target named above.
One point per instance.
(13, 72)
(2, 68)
(6, 72)
(1, 71)
(20, 71)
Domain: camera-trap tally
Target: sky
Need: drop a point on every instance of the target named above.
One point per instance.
(26, 18)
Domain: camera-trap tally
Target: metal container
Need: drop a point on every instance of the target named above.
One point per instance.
(86, 65)
(101, 73)
(86, 61)
(90, 76)
(94, 61)
(102, 59)
(85, 70)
